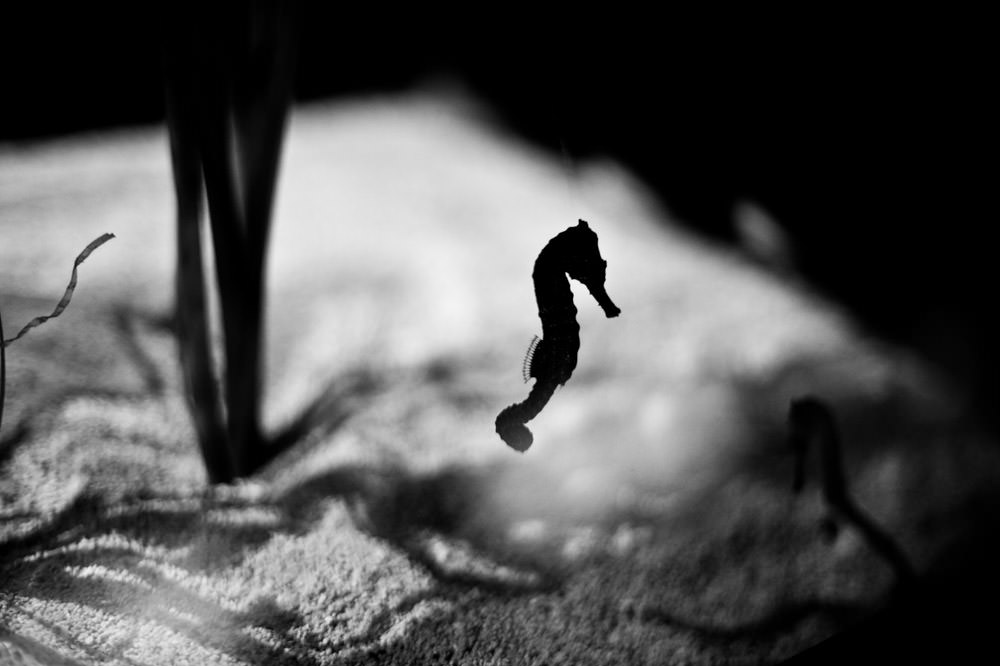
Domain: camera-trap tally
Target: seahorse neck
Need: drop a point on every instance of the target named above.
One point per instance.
(554, 297)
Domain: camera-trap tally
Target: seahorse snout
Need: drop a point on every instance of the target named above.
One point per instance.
(610, 309)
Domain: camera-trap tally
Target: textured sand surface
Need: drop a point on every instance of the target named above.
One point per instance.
(651, 523)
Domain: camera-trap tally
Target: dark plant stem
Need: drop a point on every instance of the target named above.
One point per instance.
(3, 371)
(812, 421)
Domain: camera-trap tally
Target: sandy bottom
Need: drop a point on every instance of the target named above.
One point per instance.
(652, 522)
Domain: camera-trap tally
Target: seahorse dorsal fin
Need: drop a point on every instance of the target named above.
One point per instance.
(528, 356)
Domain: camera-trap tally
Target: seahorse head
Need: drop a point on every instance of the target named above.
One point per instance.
(585, 264)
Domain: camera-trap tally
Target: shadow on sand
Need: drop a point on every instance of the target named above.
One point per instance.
(447, 521)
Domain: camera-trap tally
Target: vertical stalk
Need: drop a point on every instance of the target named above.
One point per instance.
(3, 371)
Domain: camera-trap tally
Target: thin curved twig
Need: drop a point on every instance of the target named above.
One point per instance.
(68, 294)
(60, 306)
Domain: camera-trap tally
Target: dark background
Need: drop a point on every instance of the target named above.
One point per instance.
(869, 137)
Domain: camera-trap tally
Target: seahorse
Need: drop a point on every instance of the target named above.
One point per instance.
(552, 359)
(811, 421)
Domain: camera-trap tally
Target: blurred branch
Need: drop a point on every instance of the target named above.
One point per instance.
(811, 421)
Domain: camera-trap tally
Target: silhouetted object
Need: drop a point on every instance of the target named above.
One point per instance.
(552, 359)
(228, 74)
(811, 423)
